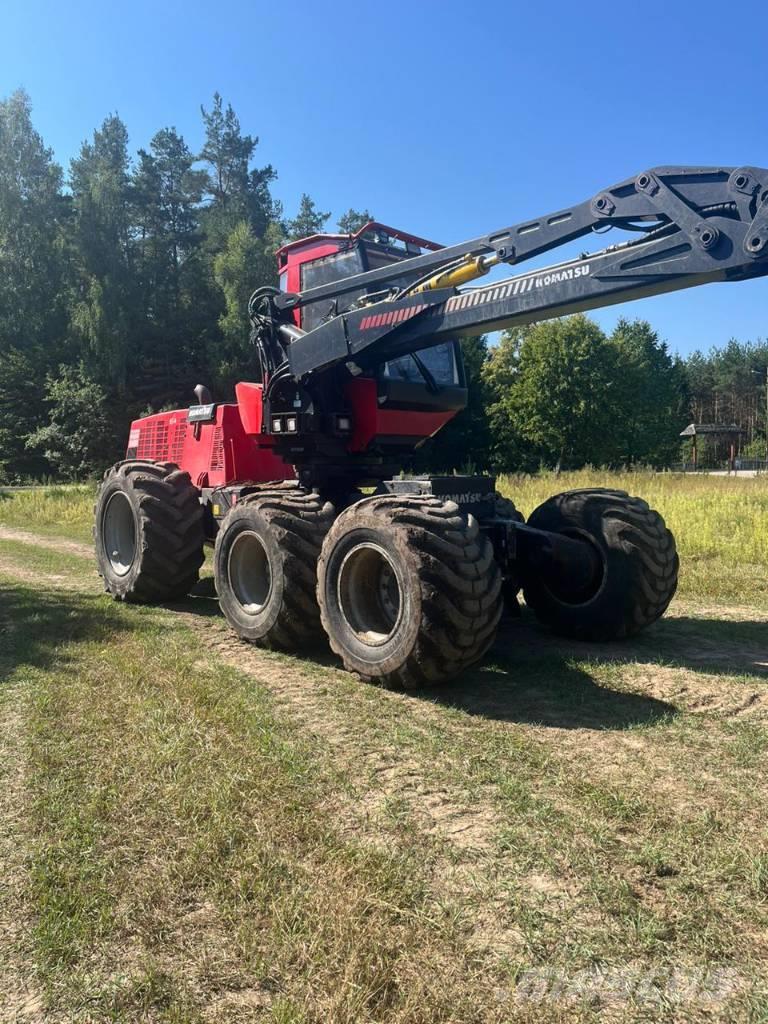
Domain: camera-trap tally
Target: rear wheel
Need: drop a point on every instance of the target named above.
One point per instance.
(265, 565)
(409, 590)
(148, 532)
(637, 558)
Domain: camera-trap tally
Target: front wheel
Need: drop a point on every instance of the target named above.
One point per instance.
(148, 532)
(409, 590)
(637, 559)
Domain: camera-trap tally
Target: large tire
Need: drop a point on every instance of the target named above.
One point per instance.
(409, 590)
(148, 532)
(638, 559)
(265, 566)
(505, 508)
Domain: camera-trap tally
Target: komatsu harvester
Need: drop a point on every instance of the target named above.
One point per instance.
(356, 363)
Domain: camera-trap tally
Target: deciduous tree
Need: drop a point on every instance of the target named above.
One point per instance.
(651, 395)
(561, 391)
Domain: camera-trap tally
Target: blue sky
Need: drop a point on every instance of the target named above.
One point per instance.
(448, 119)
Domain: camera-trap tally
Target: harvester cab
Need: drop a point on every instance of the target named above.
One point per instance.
(370, 416)
(326, 258)
(357, 362)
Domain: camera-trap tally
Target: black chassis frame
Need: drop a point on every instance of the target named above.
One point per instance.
(519, 549)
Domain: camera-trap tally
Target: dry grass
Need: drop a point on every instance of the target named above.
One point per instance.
(213, 833)
(63, 511)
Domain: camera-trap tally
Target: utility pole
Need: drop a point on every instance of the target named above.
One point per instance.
(759, 373)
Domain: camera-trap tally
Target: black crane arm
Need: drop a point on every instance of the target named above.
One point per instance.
(697, 225)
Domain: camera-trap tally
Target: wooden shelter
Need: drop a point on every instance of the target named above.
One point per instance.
(719, 433)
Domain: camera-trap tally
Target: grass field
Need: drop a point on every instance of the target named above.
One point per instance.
(193, 830)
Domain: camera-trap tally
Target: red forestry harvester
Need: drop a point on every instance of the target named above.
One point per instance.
(356, 364)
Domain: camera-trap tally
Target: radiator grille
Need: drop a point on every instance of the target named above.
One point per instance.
(153, 441)
(178, 434)
(217, 449)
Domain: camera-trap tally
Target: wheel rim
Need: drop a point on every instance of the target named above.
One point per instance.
(250, 575)
(567, 595)
(119, 533)
(369, 594)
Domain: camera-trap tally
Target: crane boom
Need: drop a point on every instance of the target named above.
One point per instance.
(698, 225)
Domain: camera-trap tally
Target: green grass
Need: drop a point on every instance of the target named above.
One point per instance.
(183, 836)
(217, 833)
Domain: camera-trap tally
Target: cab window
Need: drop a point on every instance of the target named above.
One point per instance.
(440, 360)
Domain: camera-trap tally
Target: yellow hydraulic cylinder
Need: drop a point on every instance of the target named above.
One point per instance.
(473, 267)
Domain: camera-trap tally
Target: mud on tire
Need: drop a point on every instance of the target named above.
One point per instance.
(639, 565)
(148, 532)
(265, 565)
(409, 590)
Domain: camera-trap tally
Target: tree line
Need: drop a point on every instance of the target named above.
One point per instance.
(124, 282)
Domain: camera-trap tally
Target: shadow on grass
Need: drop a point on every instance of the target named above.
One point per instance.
(725, 647)
(36, 626)
(720, 646)
(532, 676)
(545, 690)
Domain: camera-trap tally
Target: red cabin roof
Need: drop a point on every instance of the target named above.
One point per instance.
(372, 225)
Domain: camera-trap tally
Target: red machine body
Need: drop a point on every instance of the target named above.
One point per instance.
(234, 445)
(373, 423)
(228, 448)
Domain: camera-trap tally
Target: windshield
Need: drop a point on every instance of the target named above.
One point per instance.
(440, 360)
(324, 271)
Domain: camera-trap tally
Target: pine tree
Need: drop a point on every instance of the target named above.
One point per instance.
(353, 220)
(245, 263)
(33, 282)
(308, 221)
(166, 194)
(32, 215)
(106, 317)
(234, 190)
